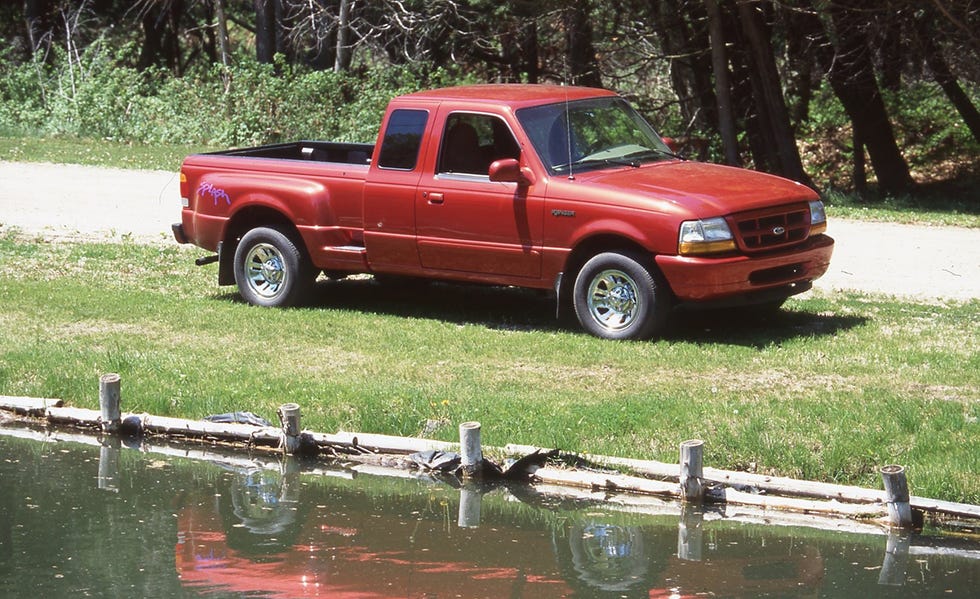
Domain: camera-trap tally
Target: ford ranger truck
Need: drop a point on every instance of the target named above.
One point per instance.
(564, 189)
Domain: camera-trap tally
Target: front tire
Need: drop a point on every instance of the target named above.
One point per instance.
(271, 270)
(617, 297)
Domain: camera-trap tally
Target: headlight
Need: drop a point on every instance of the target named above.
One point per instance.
(818, 217)
(707, 236)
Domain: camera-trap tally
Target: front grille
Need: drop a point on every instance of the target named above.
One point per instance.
(772, 228)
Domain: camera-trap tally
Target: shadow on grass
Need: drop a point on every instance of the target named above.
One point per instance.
(516, 309)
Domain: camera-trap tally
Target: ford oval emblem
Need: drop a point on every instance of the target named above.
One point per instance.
(778, 230)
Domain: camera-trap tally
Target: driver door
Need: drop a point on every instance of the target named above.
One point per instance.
(465, 222)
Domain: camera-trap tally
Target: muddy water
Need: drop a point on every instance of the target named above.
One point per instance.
(80, 520)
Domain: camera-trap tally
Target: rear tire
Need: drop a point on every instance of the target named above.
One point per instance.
(271, 270)
(617, 296)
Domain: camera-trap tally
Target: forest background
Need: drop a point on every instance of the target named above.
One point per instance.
(865, 98)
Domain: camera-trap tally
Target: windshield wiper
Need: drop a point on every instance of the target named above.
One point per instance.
(655, 152)
(597, 161)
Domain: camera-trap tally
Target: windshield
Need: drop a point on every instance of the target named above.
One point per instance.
(604, 132)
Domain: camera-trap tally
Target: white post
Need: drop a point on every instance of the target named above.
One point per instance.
(897, 496)
(109, 400)
(289, 418)
(471, 457)
(692, 452)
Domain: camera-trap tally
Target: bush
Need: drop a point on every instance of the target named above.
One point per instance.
(245, 104)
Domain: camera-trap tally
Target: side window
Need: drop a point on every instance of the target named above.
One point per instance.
(470, 142)
(402, 140)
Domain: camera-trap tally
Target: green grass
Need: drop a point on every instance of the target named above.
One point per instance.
(831, 389)
(954, 203)
(92, 152)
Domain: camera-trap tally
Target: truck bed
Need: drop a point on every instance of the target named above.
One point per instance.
(316, 151)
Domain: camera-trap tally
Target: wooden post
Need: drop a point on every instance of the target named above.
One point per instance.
(897, 496)
(692, 471)
(471, 452)
(109, 400)
(470, 503)
(289, 418)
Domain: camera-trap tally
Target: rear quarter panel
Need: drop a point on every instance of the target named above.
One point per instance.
(321, 200)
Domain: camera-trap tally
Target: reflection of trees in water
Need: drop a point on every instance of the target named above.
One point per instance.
(609, 559)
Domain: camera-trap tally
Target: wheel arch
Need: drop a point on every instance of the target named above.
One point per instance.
(244, 221)
(597, 244)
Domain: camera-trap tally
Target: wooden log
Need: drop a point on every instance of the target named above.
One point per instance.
(110, 398)
(692, 452)
(391, 444)
(805, 506)
(471, 450)
(897, 496)
(608, 482)
(75, 416)
(28, 406)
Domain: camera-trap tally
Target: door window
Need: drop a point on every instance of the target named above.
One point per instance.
(471, 142)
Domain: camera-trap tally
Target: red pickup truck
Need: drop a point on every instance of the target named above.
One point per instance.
(566, 189)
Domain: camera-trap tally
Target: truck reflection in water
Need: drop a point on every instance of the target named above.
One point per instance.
(255, 536)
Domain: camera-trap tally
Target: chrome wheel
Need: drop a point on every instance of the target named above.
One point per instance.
(621, 295)
(271, 269)
(613, 299)
(265, 270)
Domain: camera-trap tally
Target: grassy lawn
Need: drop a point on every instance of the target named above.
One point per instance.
(830, 389)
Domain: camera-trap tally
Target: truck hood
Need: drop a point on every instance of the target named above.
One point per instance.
(702, 190)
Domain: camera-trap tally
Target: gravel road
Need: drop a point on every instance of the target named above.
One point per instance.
(70, 202)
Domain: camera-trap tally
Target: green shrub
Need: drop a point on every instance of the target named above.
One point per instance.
(245, 104)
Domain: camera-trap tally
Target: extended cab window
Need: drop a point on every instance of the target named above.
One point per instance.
(403, 138)
(470, 142)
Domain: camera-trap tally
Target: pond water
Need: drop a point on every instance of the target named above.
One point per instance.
(78, 519)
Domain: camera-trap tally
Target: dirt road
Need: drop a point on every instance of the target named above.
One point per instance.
(70, 202)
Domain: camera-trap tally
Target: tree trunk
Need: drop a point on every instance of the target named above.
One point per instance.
(686, 44)
(723, 90)
(851, 75)
(344, 51)
(222, 32)
(942, 74)
(583, 67)
(800, 84)
(529, 50)
(265, 31)
(773, 116)
(153, 30)
(37, 15)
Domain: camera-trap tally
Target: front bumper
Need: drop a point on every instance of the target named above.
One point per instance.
(700, 279)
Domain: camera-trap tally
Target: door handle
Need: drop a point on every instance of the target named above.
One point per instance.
(436, 198)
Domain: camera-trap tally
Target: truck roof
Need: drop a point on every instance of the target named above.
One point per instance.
(515, 95)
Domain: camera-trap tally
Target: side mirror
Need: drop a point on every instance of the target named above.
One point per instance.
(671, 143)
(508, 170)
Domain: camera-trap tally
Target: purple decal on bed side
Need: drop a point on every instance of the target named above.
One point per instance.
(216, 193)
